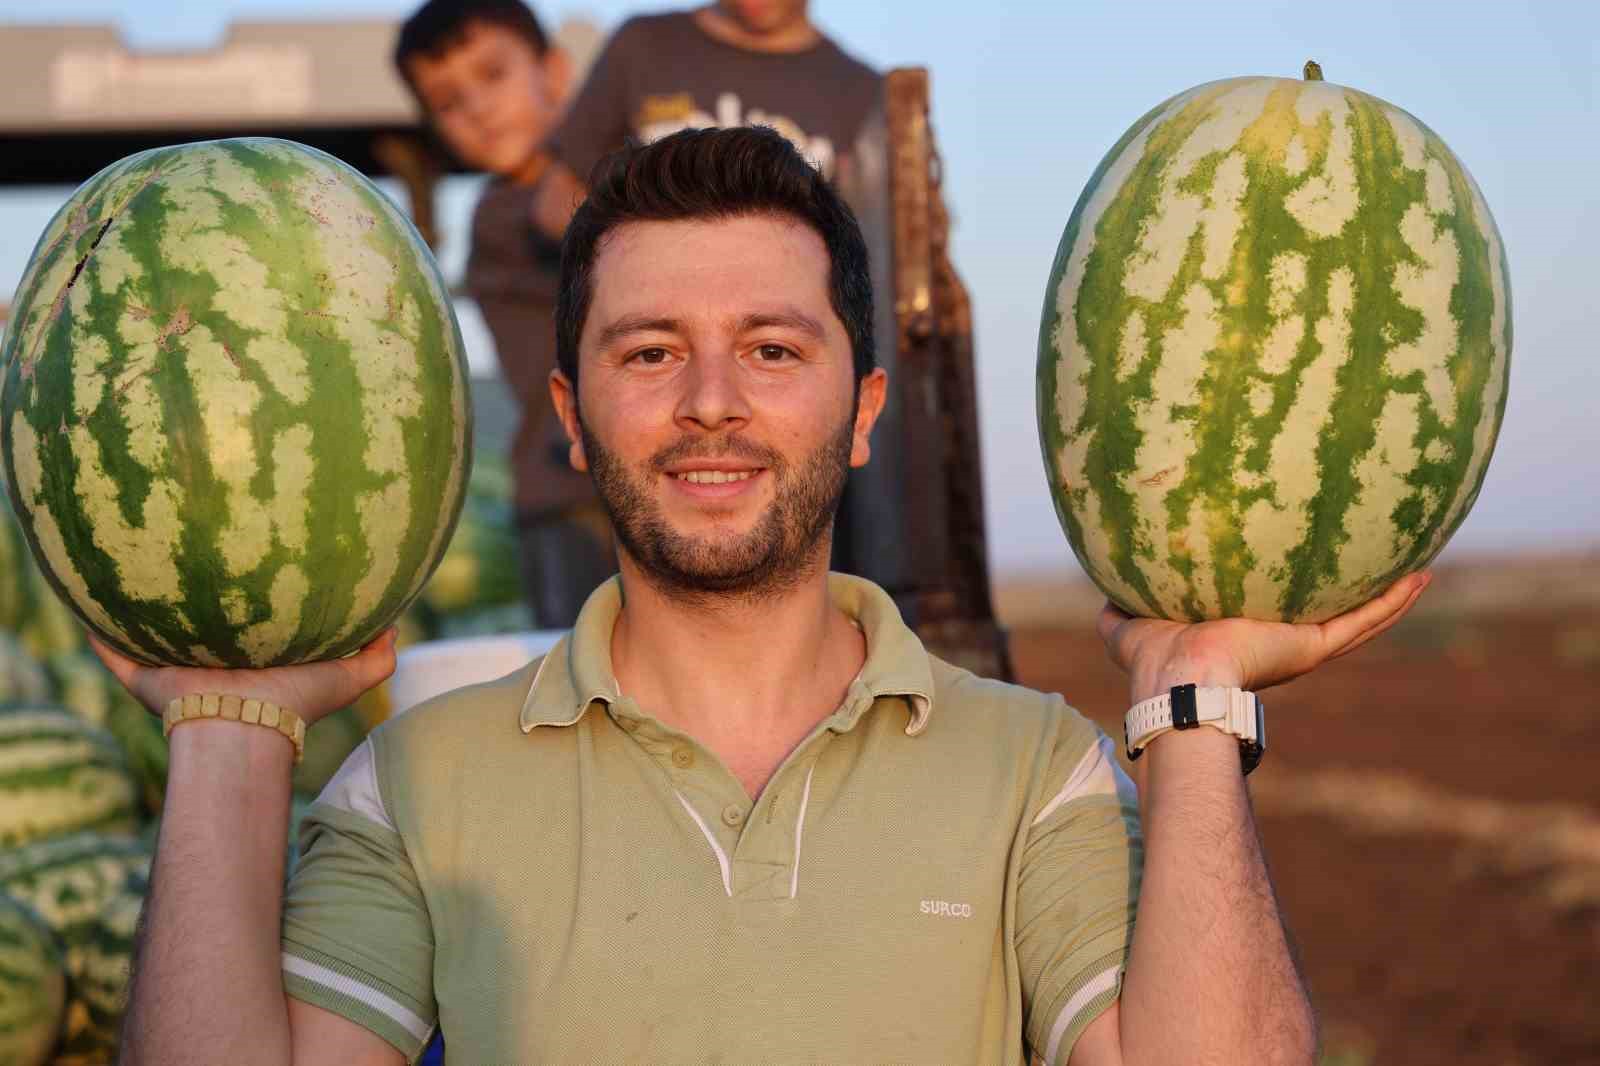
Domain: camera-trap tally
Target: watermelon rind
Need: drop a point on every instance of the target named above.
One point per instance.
(33, 987)
(234, 410)
(1274, 353)
(60, 774)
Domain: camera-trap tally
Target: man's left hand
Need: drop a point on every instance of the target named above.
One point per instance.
(1241, 652)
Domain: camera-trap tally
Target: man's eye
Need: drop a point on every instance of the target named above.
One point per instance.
(773, 353)
(651, 356)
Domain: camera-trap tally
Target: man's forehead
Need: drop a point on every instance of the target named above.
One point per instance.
(739, 272)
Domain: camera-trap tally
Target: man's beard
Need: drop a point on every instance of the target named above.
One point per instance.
(771, 558)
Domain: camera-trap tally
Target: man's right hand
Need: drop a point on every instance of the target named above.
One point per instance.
(311, 690)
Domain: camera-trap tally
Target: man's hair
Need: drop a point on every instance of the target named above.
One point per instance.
(707, 175)
(439, 25)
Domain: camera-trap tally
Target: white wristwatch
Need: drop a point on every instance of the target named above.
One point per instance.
(1232, 710)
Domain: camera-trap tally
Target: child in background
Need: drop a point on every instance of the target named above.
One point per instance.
(493, 87)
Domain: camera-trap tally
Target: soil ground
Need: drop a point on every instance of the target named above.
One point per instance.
(1431, 811)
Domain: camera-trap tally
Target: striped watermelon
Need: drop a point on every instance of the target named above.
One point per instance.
(84, 686)
(33, 987)
(29, 609)
(21, 676)
(235, 417)
(59, 774)
(88, 888)
(1274, 353)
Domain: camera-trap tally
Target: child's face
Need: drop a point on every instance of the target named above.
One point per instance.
(491, 98)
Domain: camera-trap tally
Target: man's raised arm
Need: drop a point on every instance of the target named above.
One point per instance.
(207, 978)
(1210, 975)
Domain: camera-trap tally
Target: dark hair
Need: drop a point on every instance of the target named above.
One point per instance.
(713, 174)
(439, 25)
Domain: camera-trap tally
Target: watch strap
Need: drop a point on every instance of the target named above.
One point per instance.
(1233, 711)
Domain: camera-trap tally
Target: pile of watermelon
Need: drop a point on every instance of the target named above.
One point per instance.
(83, 770)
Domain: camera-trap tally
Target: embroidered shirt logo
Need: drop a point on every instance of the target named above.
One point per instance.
(940, 908)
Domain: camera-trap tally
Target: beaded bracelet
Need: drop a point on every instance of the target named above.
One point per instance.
(234, 709)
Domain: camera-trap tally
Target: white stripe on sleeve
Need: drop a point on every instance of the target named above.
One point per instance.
(350, 988)
(1097, 774)
(1091, 988)
(355, 788)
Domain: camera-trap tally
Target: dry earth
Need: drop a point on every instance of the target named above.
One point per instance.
(1431, 810)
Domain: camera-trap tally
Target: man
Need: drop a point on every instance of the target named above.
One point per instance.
(492, 87)
(751, 63)
(738, 814)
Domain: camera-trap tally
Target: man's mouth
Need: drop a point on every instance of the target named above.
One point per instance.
(714, 477)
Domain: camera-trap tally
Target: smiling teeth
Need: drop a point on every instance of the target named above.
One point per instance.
(714, 477)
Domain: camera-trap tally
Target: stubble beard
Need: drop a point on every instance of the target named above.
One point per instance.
(781, 550)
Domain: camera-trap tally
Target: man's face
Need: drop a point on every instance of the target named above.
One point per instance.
(719, 412)
(490, 96)
(764, 16)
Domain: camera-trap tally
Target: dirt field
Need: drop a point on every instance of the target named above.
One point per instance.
(1431, 809)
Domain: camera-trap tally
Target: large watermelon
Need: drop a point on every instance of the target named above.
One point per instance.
(235, 415)
(60, 774)
(1274, 353)
(33, 988)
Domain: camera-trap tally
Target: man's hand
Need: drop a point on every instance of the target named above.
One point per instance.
(1240, 652)
(311, 690)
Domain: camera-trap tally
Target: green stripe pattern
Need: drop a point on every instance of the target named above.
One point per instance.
(33, 989)
(1273, 355)
(235, 416)
(89, 889)
(60, 774)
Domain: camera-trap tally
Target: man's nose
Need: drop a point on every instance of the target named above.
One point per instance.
(714, 396)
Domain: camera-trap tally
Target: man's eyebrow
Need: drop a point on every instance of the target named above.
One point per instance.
(628, 324)
(788, 318)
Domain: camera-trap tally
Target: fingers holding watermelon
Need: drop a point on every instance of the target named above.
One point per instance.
(1241, 652)
(312, 690)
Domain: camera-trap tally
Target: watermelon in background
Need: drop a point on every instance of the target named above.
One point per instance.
(59, 774)
(74, 883)
(21, 676)
(480, 567)
(33, 987)
(1274, 353)
(235, 416)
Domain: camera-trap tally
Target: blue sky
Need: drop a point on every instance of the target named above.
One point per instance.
(1029, 95)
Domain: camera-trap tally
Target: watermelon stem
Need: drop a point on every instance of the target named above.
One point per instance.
(1312, 70)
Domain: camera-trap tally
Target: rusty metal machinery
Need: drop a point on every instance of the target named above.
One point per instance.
(943, 479)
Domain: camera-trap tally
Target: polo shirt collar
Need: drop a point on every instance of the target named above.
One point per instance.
(577, 671)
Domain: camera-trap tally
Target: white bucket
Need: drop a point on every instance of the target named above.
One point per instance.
(426, 670)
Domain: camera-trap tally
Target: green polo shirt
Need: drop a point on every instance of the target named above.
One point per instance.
(945, 870)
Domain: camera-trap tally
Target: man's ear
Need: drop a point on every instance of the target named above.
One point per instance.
(871, 395)
(564, 398)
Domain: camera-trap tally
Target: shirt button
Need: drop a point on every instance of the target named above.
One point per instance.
(682, 758)
(733, 814)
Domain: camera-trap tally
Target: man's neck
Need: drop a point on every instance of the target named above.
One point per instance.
(797, 36)
(749, 679)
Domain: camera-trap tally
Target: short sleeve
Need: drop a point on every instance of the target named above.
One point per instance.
(357, 939)
(597, 121)
(1078, 890)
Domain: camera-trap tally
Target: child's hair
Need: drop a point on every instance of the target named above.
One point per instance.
(439, 25)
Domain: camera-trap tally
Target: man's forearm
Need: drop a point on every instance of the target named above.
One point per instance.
(207, 983)
(1210, 978)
